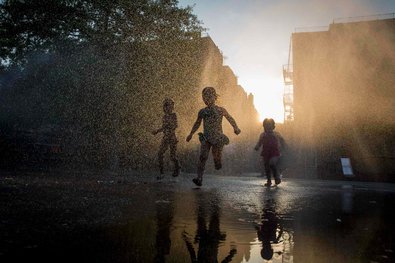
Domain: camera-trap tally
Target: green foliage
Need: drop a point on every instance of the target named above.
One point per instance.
(99, 69)
(44, 25)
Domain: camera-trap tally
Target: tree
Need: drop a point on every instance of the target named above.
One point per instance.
(93, 65)
(48, 25)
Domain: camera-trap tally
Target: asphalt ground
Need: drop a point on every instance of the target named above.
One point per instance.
(132, 217)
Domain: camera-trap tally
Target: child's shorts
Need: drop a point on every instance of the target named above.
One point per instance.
(219, 140)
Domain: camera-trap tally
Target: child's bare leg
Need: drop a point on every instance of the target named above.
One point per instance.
(276, 175)
(273, 167)
(268, 173)
(262, 168)
(161, 153)
(217, 156)
(204, 152)
(173, 157)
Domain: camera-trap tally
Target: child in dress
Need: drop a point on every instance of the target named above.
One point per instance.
(271, 143)
(212, 137)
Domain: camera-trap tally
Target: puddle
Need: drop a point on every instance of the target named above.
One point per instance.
(224, 225)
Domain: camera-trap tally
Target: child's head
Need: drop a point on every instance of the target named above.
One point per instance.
(168, 105)
(209, 96)
(269, 124)
(267, 252)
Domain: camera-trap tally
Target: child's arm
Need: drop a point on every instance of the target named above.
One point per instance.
(229, 257)
(283, 144)
(259, 144)
(161, 129)
(155, 132)
(195, 127)
(232, 122)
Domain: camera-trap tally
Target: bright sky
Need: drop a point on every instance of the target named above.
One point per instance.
(254, 37)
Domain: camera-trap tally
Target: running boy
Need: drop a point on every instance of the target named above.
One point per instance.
(169, 125)
(212, 136)
(271, 143)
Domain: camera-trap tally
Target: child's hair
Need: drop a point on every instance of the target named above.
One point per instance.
(209, 92)
(267, 252)
(269, 123)
(168, 103)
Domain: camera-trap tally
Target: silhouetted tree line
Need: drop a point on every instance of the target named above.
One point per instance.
(96, 69)
(92, 75)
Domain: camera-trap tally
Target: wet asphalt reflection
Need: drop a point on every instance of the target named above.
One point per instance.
(229, 219)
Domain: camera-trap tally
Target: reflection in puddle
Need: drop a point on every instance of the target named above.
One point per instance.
(208, 225)
(347, 199)
(324, 228)
(205, 228)
(164, 216)
(276, 242)
(204, 246)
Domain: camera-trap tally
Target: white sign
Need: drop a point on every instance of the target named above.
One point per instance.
(346, 165)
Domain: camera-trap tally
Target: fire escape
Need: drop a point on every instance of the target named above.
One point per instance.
(288, 96)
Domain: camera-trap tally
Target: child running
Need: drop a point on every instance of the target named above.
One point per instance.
(271, 143)
(169, 125)
(212, 136)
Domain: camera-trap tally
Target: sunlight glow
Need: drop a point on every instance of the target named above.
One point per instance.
(268, 96)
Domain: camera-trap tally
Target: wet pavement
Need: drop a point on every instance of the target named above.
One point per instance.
(135, 218)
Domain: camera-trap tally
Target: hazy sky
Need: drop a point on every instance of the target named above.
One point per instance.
(254, 37)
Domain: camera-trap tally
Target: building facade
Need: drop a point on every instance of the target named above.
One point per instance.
(344, 98)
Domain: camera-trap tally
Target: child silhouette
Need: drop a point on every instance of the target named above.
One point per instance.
(212, 137)
(169, 140)
(271, 142)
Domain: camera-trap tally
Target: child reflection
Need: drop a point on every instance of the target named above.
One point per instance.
(208, 237)
(267, 231)
(164, 214)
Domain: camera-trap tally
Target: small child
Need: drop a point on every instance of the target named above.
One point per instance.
(271, 143)
(212, 136)
(169, 125)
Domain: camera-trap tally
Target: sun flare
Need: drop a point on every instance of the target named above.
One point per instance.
(268, 97)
